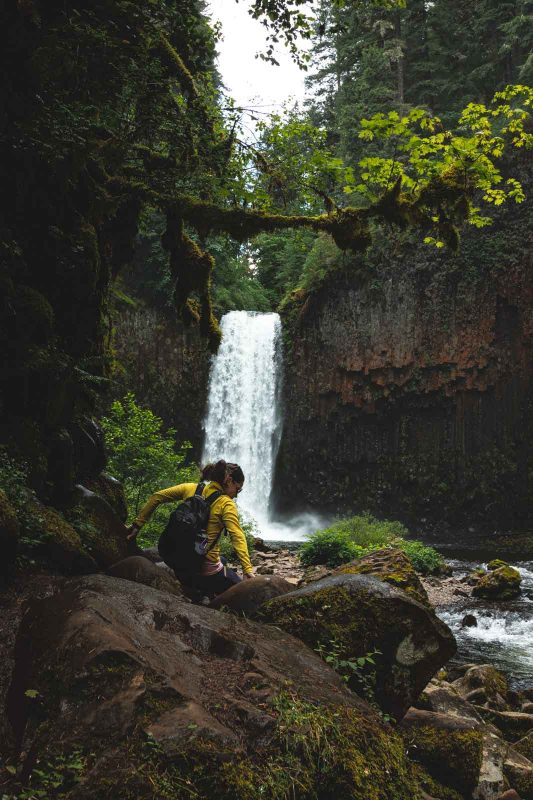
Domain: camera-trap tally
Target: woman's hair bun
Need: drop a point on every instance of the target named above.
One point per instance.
(215, 472)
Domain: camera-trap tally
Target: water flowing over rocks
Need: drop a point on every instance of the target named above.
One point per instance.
(243, 421)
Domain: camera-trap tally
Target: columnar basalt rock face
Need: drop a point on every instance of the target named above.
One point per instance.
(167, 366)
(411, 389)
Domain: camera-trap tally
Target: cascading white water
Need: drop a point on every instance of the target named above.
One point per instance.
(243, 422)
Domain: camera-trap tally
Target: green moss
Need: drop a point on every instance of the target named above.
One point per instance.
(433, 787)
(502, 583)
(9, 524)
(452, 757)
(496, 563)
(390, 566)
(34, 315)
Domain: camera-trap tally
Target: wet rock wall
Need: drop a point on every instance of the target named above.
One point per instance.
(407, 383)
(166, 365)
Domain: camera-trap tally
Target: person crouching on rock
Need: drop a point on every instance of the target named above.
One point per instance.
(212, 576)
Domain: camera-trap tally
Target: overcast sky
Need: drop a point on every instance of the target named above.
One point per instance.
(249, 79)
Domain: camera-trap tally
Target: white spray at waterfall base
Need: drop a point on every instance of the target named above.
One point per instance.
(243, 421)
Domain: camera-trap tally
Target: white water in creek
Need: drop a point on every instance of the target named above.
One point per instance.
(243, 421)
(504, 632)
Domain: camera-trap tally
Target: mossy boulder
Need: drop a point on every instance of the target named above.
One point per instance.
(111, 490)
(519, 772)
(156, 698)
(102, 532)
(496, 563)
(391, 566)
(60, 543)
(362, 614)
(502, 583)
(481, 676)
(450, 748)
(9, 532)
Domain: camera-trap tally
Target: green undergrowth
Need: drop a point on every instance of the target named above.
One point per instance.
(354, 537)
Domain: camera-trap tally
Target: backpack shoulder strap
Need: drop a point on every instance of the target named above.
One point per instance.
(212, 497)
(200, 488)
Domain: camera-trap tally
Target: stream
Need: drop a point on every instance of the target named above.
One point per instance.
(504, 632)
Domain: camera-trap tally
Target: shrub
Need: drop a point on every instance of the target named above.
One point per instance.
(354, 537)
(14, 482)
(145, 459)
(329, 546)
(423, 558)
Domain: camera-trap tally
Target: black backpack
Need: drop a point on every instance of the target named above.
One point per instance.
(183, 543)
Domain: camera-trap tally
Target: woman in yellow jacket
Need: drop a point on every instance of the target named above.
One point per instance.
(215, 577)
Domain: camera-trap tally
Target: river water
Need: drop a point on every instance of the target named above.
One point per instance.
(243, 424)
(504, 632)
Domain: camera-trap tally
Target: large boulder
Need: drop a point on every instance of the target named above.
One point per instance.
(444, 699)
(389, 565)
(9, 532)
(142, 570)
(247, 596)
(519, 772)
(149, 697)
(502, 583)
(441, 697)
(449, 747)
(359, 614)
(514, 725)
(481, 683)
(524, 746)
(111, 490)
(60, 543)
(103, 533)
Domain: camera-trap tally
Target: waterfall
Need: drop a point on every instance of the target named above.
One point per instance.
(243, 421)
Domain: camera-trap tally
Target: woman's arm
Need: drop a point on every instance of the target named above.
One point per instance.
(179, 492)
(230, 518)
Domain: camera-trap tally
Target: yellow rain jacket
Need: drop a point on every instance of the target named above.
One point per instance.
(223, 514)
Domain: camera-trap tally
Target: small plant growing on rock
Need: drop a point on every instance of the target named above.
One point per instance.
(358, 670)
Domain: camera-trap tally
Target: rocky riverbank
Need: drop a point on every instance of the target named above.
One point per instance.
(122, 687)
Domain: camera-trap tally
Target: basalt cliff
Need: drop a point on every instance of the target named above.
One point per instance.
(407, 384)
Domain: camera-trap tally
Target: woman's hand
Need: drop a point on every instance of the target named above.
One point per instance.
(133, 530)
(248, 575)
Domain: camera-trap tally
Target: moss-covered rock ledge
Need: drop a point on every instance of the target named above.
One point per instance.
(181, 701)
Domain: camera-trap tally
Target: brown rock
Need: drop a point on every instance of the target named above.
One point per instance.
(142, 570)
(510, 794)
(513, 724)
(481, 676)
(156, 691)
(246, 597)
(519, 772)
